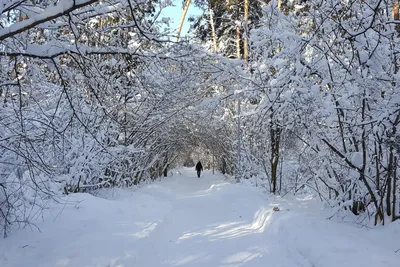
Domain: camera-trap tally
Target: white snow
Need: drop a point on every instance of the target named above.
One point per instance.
(186, 221)
(357, 159)
(363, 56)
(273, 82)
(51, 12)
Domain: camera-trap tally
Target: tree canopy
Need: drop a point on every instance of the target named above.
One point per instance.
(96, 94)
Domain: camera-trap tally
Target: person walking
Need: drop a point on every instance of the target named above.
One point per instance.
(199, 168)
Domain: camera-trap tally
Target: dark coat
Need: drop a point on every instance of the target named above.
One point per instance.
(199, 167)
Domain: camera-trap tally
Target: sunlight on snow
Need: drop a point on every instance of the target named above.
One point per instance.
(146, 231)
(262, 219)
(208, 232)
(215, 187)
(241, 258)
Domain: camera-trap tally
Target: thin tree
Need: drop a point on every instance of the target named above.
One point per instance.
(238, 54)
(184, 11)
(214, 37)
(245, 39)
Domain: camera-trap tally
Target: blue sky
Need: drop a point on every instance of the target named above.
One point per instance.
(175, 14)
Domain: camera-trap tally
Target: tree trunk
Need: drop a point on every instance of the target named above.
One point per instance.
(275, 139)
(280, 177)
(238, 54)
(394, 217)
(279, 4)
(246, 33)
(184, 11)
(214, 37)
(166, 171)
(395, 13)
(396, 17)
(213, 165)
(389, 182)
(239, 137)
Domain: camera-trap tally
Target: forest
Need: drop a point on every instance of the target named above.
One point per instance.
(295, 95)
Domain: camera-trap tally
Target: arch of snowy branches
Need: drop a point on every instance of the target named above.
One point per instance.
(96, 94)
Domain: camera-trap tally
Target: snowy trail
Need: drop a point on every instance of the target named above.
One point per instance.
(186, 221)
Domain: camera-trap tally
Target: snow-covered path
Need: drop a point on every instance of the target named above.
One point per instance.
(186, 221)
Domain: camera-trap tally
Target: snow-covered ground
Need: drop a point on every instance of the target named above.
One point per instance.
(186, 221)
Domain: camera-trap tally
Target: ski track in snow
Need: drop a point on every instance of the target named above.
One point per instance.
(186, 221)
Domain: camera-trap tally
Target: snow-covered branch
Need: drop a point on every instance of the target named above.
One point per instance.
(62, 8)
